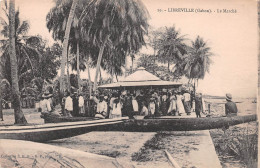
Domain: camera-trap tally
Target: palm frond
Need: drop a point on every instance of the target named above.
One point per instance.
(5, 81)
(23, 28)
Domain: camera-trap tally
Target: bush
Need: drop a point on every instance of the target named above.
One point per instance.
(242, 143)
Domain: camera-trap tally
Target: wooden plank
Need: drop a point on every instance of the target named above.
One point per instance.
(172, 161)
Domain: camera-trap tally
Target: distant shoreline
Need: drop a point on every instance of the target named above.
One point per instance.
(223, 97)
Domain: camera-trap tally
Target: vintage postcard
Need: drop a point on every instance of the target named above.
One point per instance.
(129, 83)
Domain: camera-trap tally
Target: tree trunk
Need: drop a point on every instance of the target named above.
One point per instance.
(90, 83)
(78, 73)
(132, 64)
(100, 76)
(65, 45)
(169, 66)
(68, 73)
(194, 87)
(1, 107)
(99, 62)
(125, 66)
(16, 101)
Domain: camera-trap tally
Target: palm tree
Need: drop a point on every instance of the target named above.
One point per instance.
(199, 61)
(18, 113)
(115, 26)
(58, 18)
(65, 43)
(171, 46)
(27, 49)
(59, 21)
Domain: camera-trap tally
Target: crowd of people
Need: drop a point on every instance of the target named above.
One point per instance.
(115, 104)
(149, 103)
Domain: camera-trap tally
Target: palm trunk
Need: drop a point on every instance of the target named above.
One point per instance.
(78, 73)
(68, 73)
(18, 113)
(132, 64)
(100, 77)
(194, 88)
(90, 83)
(65, 45)
(100, 54)
(1, 108)
(125, 66)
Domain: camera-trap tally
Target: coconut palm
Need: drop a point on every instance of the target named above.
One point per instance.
(171, 46)
(18, 113)
(66, 41)
(62, 31)
(199, 60)
(58, 19)
(115, 26)
(27, 52)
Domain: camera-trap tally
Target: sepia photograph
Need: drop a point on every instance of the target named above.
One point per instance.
(129, 83)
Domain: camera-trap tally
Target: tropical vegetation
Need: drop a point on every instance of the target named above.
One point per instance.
(97, 34)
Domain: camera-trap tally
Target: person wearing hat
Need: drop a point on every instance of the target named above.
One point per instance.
(230, 106)
(198, 104)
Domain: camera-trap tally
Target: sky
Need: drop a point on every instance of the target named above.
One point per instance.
(233, 37)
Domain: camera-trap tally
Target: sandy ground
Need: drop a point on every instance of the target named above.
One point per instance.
(31, 115)
(120, 145)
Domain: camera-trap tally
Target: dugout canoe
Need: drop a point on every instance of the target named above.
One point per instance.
(52, 131)
(181, 124)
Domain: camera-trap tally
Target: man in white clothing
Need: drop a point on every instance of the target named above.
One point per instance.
(45, 105)
(101, 108)
(186, 102)
(68, 105)
(81, 104)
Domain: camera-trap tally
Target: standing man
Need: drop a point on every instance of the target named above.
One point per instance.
(68, 105)
(230, 106)
(75, 101)
(198, 104)
(140, 100)
(81, 105)
(186, 102)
